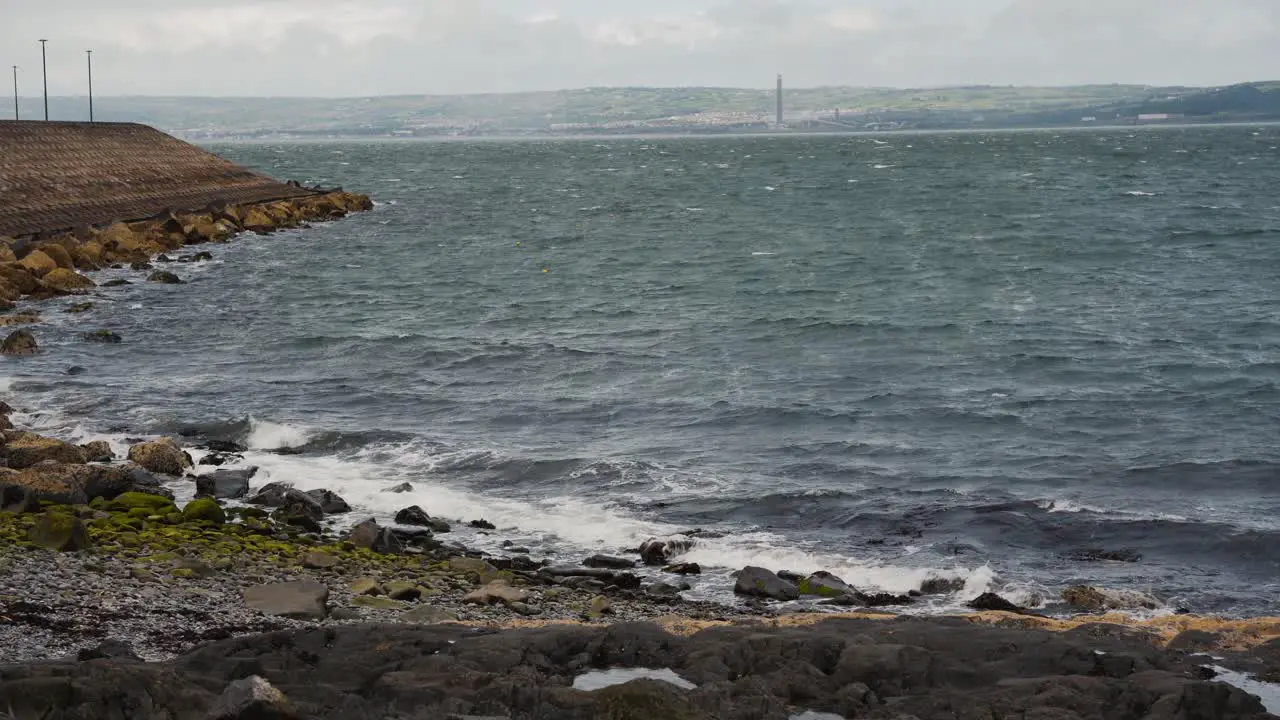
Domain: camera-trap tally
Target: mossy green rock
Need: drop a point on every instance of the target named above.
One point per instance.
(58, 531)
(204, 509)
(153, 504)
(399, 590)
(365, 586)
(378, 603)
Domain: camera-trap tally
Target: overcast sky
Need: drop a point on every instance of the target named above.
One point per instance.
(373, 47)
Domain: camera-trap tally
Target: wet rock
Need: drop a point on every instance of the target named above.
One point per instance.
(28, 449)
(365, 586)
(1099, 555)
(224, 446)
(294, 600)
(19, 342)
(875, 600)
(60, 532)
(160, 456)
(941, 586)
(67, 282)
(482, 525)
(102, 336)
(77, 370)
(117, 282)
(164, 277)
(98, 451)
(288, 501)
(824, 584)
(993, 602)
(684, 569)
(1094, 599)
(79, 308)
(141, 266)
(497, 591)
(252, 698)
(370, 536)
(202, 256)
(400, 590)
(330, 502)
(606, 561)
(759, 582)
(227, 484)
(38, 263)
(662, 592)
(660, 551)
(599, 607)
(413, 515)
(401, 488)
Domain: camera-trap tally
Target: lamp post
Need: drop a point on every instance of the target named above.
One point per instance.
(15, 93)
(45, 65)
(89, 54)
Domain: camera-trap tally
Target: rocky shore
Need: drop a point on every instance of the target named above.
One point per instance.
(263, 601)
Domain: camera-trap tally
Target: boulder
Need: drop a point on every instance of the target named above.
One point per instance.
(225, 484)
(59, 254)
(102, 336)
(204, 510)
(60, 532)
(684, 569)
(88, 256)
(67, 282)
(993, 602)
(79, 308)
(759, 582)
(941, 586)
(164, 277)
(401, 590)
(24, 318)
(497, 591)
(153, 504)
(482, 525)
(256, 219)
(824, 584)
(117, 237)
(116, 283)
(330, 502)
(1094, 599)
(292, 505)
(19, 278)
(38, 263)
(71, 484)
(659, 551)
(19, 342)
(317, 560)
(160, 456)
(27, 449)
(365, 586)
(607, 561)
(413, 515)
(370, 536)
(8, 293)
(599, 607)
(252, 698)
(295, 600)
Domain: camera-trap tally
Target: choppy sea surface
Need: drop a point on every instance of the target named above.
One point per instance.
(975, 355)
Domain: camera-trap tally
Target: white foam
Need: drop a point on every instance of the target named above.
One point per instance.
(1139, 193)
(267, 435)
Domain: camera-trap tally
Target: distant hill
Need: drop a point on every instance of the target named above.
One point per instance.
(639, 109)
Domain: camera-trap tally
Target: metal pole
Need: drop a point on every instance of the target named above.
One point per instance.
(90, 55)
(15, 93)
(44, 64)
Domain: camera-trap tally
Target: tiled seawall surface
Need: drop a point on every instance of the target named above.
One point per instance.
(62, 175)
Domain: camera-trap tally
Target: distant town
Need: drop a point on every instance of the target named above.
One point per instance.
(639, 110)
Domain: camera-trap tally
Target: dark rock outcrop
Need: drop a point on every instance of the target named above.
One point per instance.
(225, 484)
(370, 536)
(19, 342)
(330, 502)
(759, 582)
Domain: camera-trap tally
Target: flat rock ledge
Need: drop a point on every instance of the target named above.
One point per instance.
(924, 669)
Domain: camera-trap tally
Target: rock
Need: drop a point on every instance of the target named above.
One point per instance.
(19, 342)
(225, 484)
(482, 525)
(495, 592)
(191, 567)
(993, 602)
(118, 282)
(202, 256)
(606, 561)
(79, 308)
(153, 504)
(28, 449)
(428, 615)
(659, 551)
(378, 603)
(885, 600)
(141, 266)
(255, 219)
(401, 488)
(289, 503)
(1098, 600)
(77, 370)
(97, 451)
(370, 536)
(204, 510)
(413, 515)
(684, 569)
(599, 607)
(224, 446)
(365, 586)
(330, 502)
(252, 699)
(102, 336)
(662, 591)
(941, 586)
(109, 650)
(316, 560)
(416, 537)
(17, 277)
(824, 584)
(759, 582)
(438, 525)
(165, 277)
(400, 590)
(58, 254)
(38, 263)
(67, 282)
(294, 600)
(60, 532)
(160, 456)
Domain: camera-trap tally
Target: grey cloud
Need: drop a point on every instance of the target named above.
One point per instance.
(342, 47)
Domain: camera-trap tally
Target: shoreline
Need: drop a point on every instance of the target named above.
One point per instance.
(93, 552)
